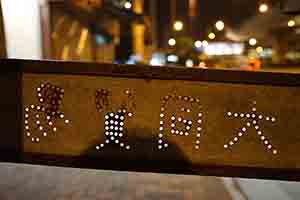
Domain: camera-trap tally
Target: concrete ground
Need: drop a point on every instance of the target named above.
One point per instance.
(42, 183)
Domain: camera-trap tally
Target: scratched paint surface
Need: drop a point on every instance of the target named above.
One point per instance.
(86, 128)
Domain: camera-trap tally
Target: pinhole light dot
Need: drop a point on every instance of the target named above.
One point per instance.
(259, 132)
(273, 119)
(266, 142)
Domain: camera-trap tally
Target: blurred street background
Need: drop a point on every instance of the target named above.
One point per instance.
(253, 35)
(232, 34)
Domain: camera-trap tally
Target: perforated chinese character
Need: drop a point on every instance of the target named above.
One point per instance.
(183, 119)
(114, 119)
(252, 120)
(40, 120)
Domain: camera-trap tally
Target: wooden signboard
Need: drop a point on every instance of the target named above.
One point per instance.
(151, 119)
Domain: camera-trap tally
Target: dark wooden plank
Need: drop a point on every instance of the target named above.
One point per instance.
(153, 72)
(11, 143)
(74, 144)
(162, 167)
